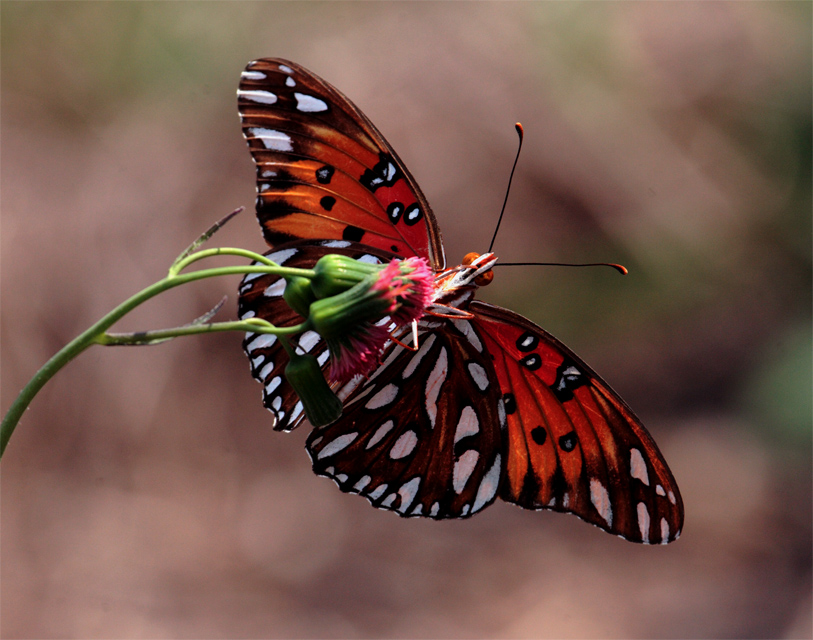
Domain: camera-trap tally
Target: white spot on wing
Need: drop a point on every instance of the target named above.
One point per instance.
(404, 445)
(383, 397)
(434, 383)
(638, 466)
(464, 326)
(337, 445)
(309, 104)
(252, 75)
(659, 490)
(263, 97)
(672, 498)
(376, 493)
(271, 386)
(479, 375)
(643, 522)
(601, 501)
(419, 355)
(251, 276)
(387, 362)
(386, 502)
(290, 82)
(383, 430)
(336, 244)
(468, 424)
(435, 509)
(308, 340)
(407, 492)
(285, 68)
(488, 486)
(664, 531)
(463, 468)
(275, 290)
(281, 256)
(262, 341)
(266, 370)
(363, 482)
(274, 140)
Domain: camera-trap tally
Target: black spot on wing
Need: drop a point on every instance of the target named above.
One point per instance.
(324, 174)
(354, 234)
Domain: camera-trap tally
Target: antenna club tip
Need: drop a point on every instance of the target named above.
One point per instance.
(619, 267)
(520, 129)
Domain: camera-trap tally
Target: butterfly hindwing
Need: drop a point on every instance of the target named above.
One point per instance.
(324, 171)
(573, 444)
(423, 435)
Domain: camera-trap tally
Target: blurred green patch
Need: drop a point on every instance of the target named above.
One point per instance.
(777, 395)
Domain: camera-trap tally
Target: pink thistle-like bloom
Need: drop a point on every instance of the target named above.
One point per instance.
(409, 286)
(353, 322)
(356, 353)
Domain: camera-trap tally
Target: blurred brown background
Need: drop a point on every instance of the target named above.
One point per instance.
(144, 494)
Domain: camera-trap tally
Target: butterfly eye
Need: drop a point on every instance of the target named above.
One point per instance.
(484, 278)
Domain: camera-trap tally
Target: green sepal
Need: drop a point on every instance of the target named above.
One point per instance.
(336, 274)
(299, 295)
(321, 405)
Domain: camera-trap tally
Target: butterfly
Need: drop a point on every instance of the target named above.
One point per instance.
(487, 404)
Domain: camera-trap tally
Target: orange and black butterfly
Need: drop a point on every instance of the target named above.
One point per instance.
(489, 405)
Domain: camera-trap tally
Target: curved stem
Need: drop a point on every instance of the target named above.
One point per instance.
(96, 333)
(181, 264)
(160, 335)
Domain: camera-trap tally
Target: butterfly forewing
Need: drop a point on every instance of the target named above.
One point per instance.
(324, 171)
(423, 436)
(573, 444)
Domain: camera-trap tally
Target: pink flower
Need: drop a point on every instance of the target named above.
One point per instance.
(409, 286)
(353, 321)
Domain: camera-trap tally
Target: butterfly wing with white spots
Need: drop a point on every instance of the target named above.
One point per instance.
(423, 436)
(573, 443)
(323, 169)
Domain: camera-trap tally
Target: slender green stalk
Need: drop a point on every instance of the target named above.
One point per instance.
(96, 334)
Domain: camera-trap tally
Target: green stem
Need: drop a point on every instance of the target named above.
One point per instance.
(96, 333)
(160, 335)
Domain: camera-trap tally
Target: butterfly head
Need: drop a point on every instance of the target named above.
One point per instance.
(483, 262)
(474, 272)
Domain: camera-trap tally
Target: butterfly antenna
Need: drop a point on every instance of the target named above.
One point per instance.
(521, 134)
(618, 267)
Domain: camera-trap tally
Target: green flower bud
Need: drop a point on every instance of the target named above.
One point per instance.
(321, 405)
(299, 295)
(344, 314)
(336, 274)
